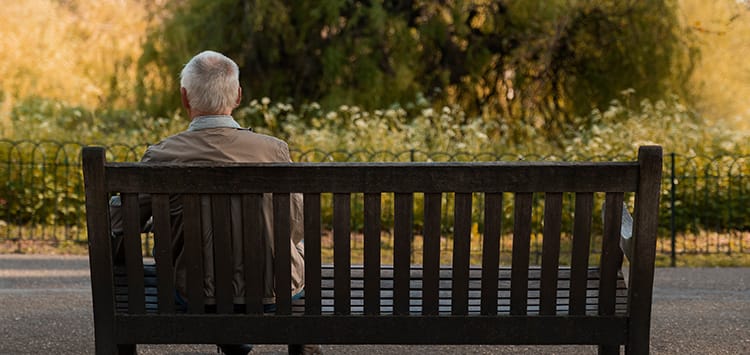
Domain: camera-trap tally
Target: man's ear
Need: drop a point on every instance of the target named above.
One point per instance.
(184, 97)
(239, 96)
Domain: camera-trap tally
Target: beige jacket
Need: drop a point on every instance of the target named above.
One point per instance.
(223, 143)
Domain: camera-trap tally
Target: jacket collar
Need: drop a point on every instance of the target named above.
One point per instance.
(215, 121)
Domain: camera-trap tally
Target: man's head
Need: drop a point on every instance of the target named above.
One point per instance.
(210, 85)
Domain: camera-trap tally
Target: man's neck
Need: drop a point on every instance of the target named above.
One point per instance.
(195, 114)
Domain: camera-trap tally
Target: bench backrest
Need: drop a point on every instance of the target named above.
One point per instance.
(522, 179)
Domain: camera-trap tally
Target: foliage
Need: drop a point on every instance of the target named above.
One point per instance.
(721, 79)
(81, 51)
(711, 192)
(539, 62)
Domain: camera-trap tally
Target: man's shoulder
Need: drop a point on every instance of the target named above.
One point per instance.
(234, 142)
(249, 134)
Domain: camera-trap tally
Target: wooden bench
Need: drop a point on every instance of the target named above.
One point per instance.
(576, 302)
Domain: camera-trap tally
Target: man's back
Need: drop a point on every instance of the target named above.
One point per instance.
(230, 145)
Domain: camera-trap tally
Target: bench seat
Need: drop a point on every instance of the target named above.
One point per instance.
(386, 291)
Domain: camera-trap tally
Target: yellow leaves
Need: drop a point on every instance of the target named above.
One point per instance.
(70, 52)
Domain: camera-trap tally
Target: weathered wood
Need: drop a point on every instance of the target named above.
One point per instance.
(374, 303)
(417, 297)
(461, 250)
(520, 258)
(223, 263)
(193, 241)
(493, 213)
(282, 253)
(342, 250)
(641, 277)
(311, 212)
(375, 177)
(163, 251)
(580, 253)
(100, 249)
(374, 329)
(402, 236)
(372, 253)
(133, 254)
(551, 251)
(431, 257)
(254, 256)
(611, 253)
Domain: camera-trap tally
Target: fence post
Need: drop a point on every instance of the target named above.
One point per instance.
(672, 188)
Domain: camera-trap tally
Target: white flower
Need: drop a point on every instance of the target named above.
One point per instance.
(265, 101)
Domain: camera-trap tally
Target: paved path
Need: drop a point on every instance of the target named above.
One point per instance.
(45, 307)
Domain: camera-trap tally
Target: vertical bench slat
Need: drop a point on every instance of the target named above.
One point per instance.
(461, 250)
(519, 277)
(579, 263)
(191, 217)
(312, 253)
(133, 253)
(493, 216)
(646, 220)
(342, 253)
(100, 249)
(611, 253)
(282, 252)
(163, 252)
(402, 235)
(431, 273)
(372, 253)
(254, 255)
(223, 265)
(550, 252)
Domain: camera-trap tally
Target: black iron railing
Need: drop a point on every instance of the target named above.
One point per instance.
(705, 205)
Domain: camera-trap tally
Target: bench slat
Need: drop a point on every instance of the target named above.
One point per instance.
(611, 253)
(133, 254)
(580, 253)
(493, 211)
(360, 329)
(461, 250)
(375, 177)
(402, 237)
(223, 263)
(372, 252)
(342, 250)
(163, 251)
(431, 257)
(282, 252)
(193, 239)
(311, 203)
(416, 302)
(550, 251)
(520, 258)
(254, 261)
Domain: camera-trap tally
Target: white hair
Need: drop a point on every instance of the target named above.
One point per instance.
(212, 82)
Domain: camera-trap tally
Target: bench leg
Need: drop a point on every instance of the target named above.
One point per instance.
(609, 349)
(127, 349)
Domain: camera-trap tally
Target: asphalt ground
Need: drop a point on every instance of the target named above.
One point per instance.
(45, 308)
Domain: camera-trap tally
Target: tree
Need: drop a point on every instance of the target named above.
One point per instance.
(542, 62)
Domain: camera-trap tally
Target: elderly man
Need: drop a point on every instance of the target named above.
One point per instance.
(210, 91)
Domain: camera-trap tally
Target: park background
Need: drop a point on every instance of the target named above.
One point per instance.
(389, 81)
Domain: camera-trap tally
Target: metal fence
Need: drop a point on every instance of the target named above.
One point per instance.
(705, 205)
